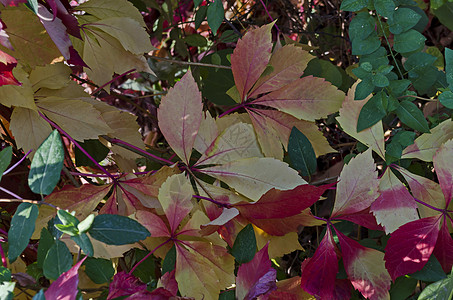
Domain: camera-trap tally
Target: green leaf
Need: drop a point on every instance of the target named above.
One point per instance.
(361, 26)
(404, 138)
(446, 98)
(6, 290)
(33, 5)
(69, 229)
(403, 287)
(244, 247)
(385, 8)
(117, 230)
(445, 14)
(84, 243)
(169, 262)
(380, 80)
(67, 218)
(5, 274)
(99, 270)
(435, 4)
(215, 15)
(449, 65)
(46, 241)
(95, 148)
(57, 261)
(301, 153)
(146, 270)
(85, 225)
(5, 159)
(412, 116)
(324, 69)
(352, 5)
(21, 230)
(196, 40)
(196, 3)
(229, 36)
(39, 295)
(431, 272)
(398, 87)
(440, 61)
(408, 41)
(442, 289)
(417, 63)
(404, 19)
(228, 295)
(366, 46)
(377, 58)
(364, 89)
(200, 16)
(47, 164)
(372, 112)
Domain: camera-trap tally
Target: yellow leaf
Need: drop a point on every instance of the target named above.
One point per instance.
(55, 76)
(427, 144)
(102, 9)
(105, 56)
(128, 32)
(236, 142)
(373, 137)
(278, 245)
(32, 45)
(78, 118)
(71, 90)
(207, 133)
(18, 95)
(29, 129)
(252, 177)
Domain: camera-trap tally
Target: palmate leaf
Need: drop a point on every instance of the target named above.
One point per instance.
(180, 115)
(444, 169)
(7, 64)
(256, 277)
(411, 245)
(365, 268)
(395, 206)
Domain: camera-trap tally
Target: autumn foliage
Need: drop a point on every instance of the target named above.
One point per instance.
(212, 198)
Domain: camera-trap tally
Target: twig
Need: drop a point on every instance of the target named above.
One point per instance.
(188, 63)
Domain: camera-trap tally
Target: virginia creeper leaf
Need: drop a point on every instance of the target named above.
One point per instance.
(443, 165)
(307, 98)
(373, 137)
(7, 64)
(289, 63)
(319, 272)
(427, 144)
(301, 152)
(55, 76)
(256, 277)
(358, 185)
(58, 260)
(117, 230)
(365, 268)
(252, 177)
(395, 206)
(22, 227)
(180, 115)
(125, 284)
(47, 165)
(444, 248)
(18, 95)
(250, 58)
(102, 9)
(411, 245)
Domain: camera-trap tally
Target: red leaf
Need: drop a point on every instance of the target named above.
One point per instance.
(281, 204)
(365, 268)
(363, 218)
(71, 23)
(124, 284)
(153, 223)
(7, 64)
(250, 58)
(443, 165)
(411, 245)
(256, 277)
(168, 281)
(444, 248)
(320, 271)
(65, 287)
(12, 2)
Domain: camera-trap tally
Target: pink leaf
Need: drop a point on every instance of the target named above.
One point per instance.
(70, 21)
(363, 218)
(358, 185)
(4, 37)
(443, 164)
(124, 284)
(444, 247)
(395, 206)
(256, 277)
(411, 245)
(12, 2)
(153, 223)
(250, 58)
(65, 287)
(319, 273)
(365, 268)
(307, 98)
(168, 282)
(281, 204)
(180, 114)
(7, 64)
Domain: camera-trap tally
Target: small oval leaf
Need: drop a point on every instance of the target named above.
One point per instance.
(301, 152)
(412, 116)
(58, 260)
(21, 230)
(244, 247)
